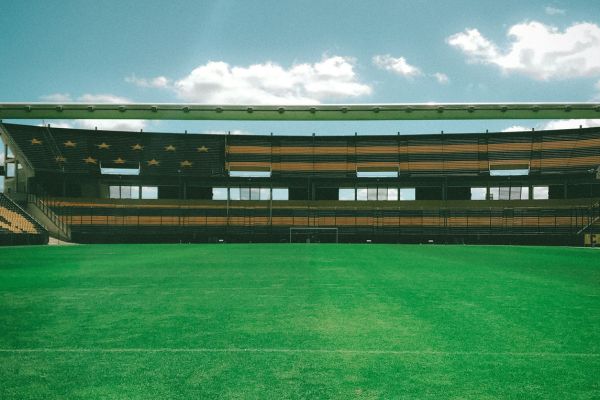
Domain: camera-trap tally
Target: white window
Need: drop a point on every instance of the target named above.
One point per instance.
(234, 193)
(254, 194)
(376, 174)
(372, 194)
(346, 194)
(382, 193)
(495, 193)
(150, 192)
(125, 192)
(10, 170)
(265, 193)
(250, 174)
(509, 193)
(478, 193)
(509, 172)
(114, 192)
(393, 194)
(280, 194)
(515, 193)
(540, 193)
(408, 194)
(361, 194)
(219, 193)
(119, 171)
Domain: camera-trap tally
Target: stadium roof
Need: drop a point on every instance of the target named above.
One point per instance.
(325, 112)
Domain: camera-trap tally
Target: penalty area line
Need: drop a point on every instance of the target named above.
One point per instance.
(299, 351)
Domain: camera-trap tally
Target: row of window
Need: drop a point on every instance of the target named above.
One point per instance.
(408, 194)
(250, 193)
(377, 193)
(133, 192)
(345, 194)
(510, 193)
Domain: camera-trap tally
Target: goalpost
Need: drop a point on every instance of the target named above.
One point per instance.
(314, 235)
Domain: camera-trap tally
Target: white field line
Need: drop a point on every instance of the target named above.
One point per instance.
(300, 351)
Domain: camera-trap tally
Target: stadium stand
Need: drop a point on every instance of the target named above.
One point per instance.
(17, 227)
(505, 187)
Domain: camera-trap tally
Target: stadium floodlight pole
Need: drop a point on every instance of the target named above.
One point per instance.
(320, 112)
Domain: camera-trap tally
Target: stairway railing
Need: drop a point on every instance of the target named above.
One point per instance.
(593, 217)
(43, 202)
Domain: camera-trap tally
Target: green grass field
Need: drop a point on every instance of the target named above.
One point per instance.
(299, 321)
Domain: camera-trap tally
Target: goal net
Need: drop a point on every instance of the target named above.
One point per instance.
(314, 235)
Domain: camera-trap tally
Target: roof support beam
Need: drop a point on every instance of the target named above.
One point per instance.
(329, 112)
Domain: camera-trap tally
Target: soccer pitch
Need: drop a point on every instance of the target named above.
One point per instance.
(264, 321)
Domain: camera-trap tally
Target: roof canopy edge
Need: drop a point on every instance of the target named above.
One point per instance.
(321, 112)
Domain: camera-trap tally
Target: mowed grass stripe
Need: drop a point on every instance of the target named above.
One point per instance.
(325, 351)
(299, 321)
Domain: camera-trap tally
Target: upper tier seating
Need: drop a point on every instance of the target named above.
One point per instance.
(85, 151)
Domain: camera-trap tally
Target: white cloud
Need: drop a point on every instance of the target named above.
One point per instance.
(557, 124)
(537, 50)
(571, 123)
(57, 124)
(233, 132)
(441, 78)
(104, 124)
(474, 45)
(554, 10)
(103, 98)
(397, 65)
(158, 82)
(400, 66)
(112, 124)
(516, 128)
(218, 82)
(58, 98)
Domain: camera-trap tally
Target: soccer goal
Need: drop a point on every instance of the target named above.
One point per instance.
(314, 235)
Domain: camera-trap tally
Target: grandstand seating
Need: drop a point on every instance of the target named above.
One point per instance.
(17, 227)
(82, 151)
(440, 169)
(263, 221)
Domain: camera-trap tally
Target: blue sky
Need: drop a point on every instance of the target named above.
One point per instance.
(302, 51)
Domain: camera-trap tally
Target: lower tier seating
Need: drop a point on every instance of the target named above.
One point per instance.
(17, 227)
(247, 220)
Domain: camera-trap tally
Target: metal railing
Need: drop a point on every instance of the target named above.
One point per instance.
(593, 216)
(44, 203)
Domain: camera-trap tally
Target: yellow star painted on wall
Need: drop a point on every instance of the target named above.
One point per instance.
(202, 149)
(103, 145)
(153, 162)
(170, 148)
(70, 143)
(90, 160)
(35, 141)
(60, 159)
(119, 161)
(185, 163)
(137, 146)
